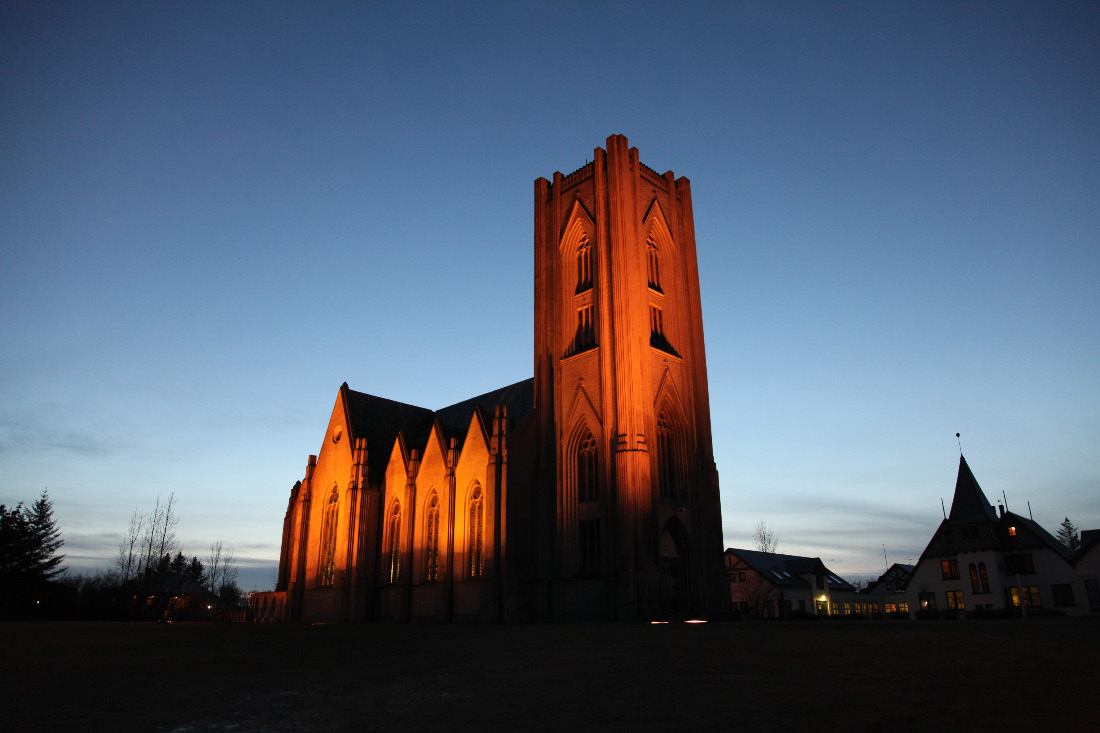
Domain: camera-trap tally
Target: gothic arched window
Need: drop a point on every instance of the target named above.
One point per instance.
(585, 337)
(654, 265)
(975, 585)
(588, 477)
(584, 265)
(393, 551)
(431, 540)
(669, 457)
(984, 577)
(328, 538)
(475, 537)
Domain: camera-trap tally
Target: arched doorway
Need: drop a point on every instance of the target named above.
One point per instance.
(675, 571)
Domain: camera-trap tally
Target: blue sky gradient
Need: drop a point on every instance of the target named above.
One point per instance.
(211, 215)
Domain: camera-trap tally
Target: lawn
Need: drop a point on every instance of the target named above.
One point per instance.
(866, 675)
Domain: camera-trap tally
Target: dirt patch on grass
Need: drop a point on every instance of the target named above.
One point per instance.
(889, 675)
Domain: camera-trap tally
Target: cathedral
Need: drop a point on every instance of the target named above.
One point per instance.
(588, 492)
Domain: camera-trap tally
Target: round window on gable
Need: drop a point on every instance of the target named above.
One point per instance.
(337, 433)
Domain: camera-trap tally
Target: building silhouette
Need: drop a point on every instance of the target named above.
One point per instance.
(982, 560)
(773, 585)
(586, 492)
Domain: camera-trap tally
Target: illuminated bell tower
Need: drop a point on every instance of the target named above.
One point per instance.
(625, 461)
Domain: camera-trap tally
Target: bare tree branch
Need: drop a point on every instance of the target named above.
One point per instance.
(763, 538)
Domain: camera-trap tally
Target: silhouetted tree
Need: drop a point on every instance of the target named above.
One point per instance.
(763, 538)
(1067, 535)
(159, 535)
(860, 584)
(129, 549)
(229, 594)
(179, 564)
(45, 539)
(195, 570)
(148, 539)
(29, 541)
(221, 568)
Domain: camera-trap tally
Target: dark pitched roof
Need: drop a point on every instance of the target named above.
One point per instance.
(1013, 519)
(1090, 538)
(519, 398)
(969, 504)
(785, 569)
(380, 420)
(898, 574)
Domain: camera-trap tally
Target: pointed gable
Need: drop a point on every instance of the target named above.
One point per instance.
(969, 504)
(380, 420)
(578, 224)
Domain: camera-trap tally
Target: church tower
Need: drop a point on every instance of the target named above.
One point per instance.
(625, 463)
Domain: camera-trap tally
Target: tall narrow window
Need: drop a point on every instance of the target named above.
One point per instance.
(431, 540)
(584, 265)
(950, 569)
(656, 321)
(588, 531)
(328, 539)
(984, 577)
(668, 458)
(657, 338)
(475, 543)
(654, 266)
(394, 550)
(975, 584)
(588, 480)
(585, 337)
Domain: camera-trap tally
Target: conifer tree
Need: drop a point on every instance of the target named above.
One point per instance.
(45, 538)
(29, 541)
(1067, 535)
(196, 570)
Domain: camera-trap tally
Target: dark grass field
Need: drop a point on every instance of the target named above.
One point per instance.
(884, 675)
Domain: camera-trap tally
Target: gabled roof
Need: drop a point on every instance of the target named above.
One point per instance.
(379, 420)
(1013, 519)
(898, 574)
(969, 504)
(784, 570)
(1090, 538)
(970, 507)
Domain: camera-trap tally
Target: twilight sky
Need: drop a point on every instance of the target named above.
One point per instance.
(212, 215)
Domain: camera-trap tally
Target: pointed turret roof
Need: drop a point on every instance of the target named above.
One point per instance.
(969, 504)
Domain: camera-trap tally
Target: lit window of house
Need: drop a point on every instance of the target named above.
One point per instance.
(950, 569)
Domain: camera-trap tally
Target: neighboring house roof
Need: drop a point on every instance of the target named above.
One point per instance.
(380, 420)
(1090, 538)
(969, 504)
(974, 525)
(1046, 538)
(898, 574)
(784, 570)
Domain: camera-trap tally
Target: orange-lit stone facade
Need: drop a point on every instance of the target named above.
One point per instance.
(587, 492)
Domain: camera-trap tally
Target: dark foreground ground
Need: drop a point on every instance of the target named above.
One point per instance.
(884, 675)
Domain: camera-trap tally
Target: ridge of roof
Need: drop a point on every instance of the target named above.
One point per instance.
(380, 420)
(1037, 529)
(796, 565)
